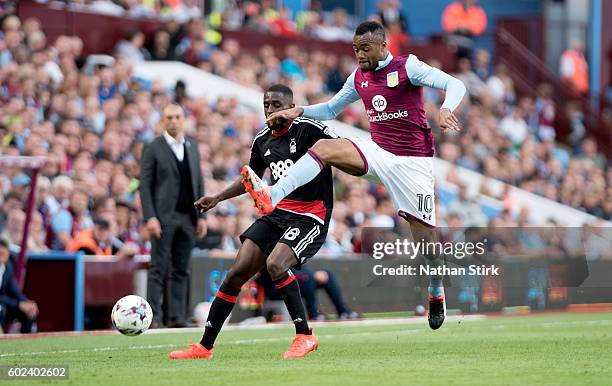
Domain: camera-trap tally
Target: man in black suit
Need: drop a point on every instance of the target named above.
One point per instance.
(13, 303)
(170, 181)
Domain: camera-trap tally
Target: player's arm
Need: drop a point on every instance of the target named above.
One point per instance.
(236, 188)
(330, 109)
(318, 130)
(321, 111)
(422, 74)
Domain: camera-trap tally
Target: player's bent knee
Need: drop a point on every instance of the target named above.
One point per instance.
(275, 268)
(324, 149)
(236, 278)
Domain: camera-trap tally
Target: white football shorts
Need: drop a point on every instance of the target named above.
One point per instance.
(409, 180)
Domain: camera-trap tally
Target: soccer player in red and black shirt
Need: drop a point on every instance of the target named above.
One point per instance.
(286, 237)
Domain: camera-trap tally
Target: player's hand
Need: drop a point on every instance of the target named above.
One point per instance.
(154, 227)
(280, 117)
(448, 120)
(29, 308)
(202, 228)
(204, 204)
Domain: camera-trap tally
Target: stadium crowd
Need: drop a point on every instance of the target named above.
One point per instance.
(92, 121)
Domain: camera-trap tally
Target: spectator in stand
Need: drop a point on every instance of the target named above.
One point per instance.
(482, 64)
(14, 305)
(14, 229)
(464, 20)
(338, 241)
(589, 152)
(468, 209)
(132, 48)
(337, 29)
(573, 68)
(545, 107)
(13, 233)
(101, 241)
(396, 38)
(185, 10)
(501, 86)
(128, 232)
(12, 201)
(310, 281)
(283, 25)
(389, 12)
(161, 49)
(575, 115)
(475, 86)
(37, 241)
(68, 222)
(61, 190)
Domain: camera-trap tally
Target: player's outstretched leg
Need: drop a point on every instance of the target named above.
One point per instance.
(339, 152)
(278, 264)
(437, 301)
(249, 261)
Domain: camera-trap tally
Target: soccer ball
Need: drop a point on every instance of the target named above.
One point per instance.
(132, 315)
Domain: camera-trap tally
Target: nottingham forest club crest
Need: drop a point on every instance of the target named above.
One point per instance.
(392, 79)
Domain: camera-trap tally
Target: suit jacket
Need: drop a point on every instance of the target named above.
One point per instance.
(160, 179)
(10, 294)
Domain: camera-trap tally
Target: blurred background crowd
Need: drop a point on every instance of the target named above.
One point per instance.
(91, 117)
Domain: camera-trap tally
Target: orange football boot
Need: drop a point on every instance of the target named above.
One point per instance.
(195, 351)
(259, 191)
(302, 345)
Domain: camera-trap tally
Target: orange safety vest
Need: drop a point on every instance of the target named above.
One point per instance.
(85, 240)
(580, 78)
(455, 17)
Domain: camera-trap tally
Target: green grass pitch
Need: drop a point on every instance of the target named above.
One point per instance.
(550, 349)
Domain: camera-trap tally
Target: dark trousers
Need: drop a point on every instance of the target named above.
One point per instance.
(308, 289)
(8, 314)
(170, 257)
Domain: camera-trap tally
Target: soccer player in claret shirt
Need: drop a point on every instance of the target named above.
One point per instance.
(400, 152)
(287, 236)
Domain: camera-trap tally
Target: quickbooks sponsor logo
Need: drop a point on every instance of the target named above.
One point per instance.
(386, 116)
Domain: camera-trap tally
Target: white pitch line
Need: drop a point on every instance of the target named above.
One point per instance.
(342, 323)
(322, 337)
(239, 342)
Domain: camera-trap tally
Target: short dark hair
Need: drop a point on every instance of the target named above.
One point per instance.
(4, 243)
(102, 223)
(124, 204)
(13, 195)
(371, 26)
(132, 34)
(281, 88)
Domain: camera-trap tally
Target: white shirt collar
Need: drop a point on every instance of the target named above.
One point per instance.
(171, 141)
(383, 63)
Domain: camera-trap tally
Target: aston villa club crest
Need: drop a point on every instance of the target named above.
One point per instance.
(392, 79)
